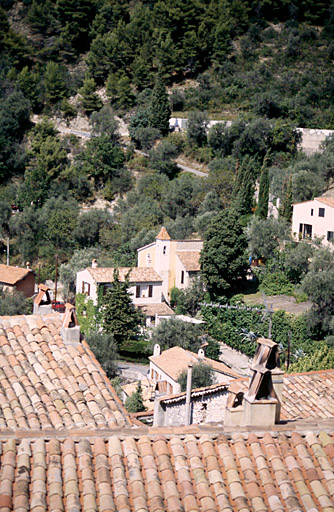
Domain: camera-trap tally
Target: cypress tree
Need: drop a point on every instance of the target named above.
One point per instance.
(243, 189)
(262, 205)
(159, 109)
(285, 209)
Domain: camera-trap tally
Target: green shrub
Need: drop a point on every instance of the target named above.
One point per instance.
(276, 283)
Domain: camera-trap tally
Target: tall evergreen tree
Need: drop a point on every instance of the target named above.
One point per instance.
(244, 185)
(90, 100)
(285, 209)
(159, 110)
(119, 316)
(223, 258)
(262, 205)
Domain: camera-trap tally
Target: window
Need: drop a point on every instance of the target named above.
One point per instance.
(137, 291)
(311, 212)
(85, 288)
(150, 290)
(330, 236)
(321, 212)
(164, 250)
(182, 276)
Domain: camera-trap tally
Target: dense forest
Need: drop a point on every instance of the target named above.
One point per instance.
(265, 66)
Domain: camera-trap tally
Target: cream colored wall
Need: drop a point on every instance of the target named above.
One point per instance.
(143, 257)
(85, 276)
(144, 298)
(163, 376)
(320, 225)
(179, 267)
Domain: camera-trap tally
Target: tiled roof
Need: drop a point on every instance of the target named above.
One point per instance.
(308, 395)
(190, 260)
(161, 309)
(208, 390)
(175, 360)
(11, 275)
(329, 201)
(305, 395)
(277, 473)
(163, 234)
(47, 385)
(137, 274)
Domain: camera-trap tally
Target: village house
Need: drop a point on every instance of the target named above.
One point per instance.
(16, 278)
(176, 261)
(145, 288)
(166, 366)
(314, 219)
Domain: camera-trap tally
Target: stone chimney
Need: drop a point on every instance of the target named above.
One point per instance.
(42, 302)
(156, 350)
(260, 404)
(70, 330)
(94, 263)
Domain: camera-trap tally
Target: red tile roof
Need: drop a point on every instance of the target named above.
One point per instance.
(163, 234)
(175, 360)
(12, 275)
(137, 274)
(329, 201)
(160, 309)
(253, 473)
(190, 260)
(45, 384)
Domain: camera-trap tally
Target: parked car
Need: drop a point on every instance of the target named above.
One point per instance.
(58, 306)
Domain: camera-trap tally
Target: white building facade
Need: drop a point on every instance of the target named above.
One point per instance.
(314, 219)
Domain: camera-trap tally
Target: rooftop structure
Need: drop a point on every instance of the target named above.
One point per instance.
(22, 279)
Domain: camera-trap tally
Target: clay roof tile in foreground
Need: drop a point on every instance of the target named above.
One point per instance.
(190, 260)
(45, 384)
(11, 275)
(239, 472)
(136, 274)
(175, 360)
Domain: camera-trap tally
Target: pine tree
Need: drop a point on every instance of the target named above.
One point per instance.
(285, 209)
(159, 110)
(119, 316)
(134, 403)
(262, 205)
(90, 100)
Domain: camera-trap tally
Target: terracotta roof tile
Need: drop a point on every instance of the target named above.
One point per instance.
(163, 234)
(11, 275)
(42, 380)
(206, 473)
(160, 309)
(190, 260)
(136, 274)
(174, 360)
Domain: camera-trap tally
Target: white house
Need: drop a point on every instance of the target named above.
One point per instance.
(176, 261)
(166, 366)
(314, 219)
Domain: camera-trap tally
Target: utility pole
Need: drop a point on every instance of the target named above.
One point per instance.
(289, 350)
(188, 394)
(56, 277)
(7, 250)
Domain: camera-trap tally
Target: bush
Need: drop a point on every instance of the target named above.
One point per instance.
(276, 283)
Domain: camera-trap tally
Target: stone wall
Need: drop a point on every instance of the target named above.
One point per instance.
(204, 409)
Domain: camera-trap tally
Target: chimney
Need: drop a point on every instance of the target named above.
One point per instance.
(42, 302)
(94, 263)
(187, 419)
(201, 354)
(156, 350)
(260, 404)
(70, 330)
(28, 265)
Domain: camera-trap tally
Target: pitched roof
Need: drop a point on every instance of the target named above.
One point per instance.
(175, 360)
(163, 234)
(11, 275)
(45, 384)
(251, 472)
(208, 390)
(137, 274)
(160, 309)
(190, 260)
(329, 201)
(305, 395)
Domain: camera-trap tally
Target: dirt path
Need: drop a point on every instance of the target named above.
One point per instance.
(285, 302)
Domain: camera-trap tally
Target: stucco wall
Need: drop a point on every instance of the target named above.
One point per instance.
(320, 225)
